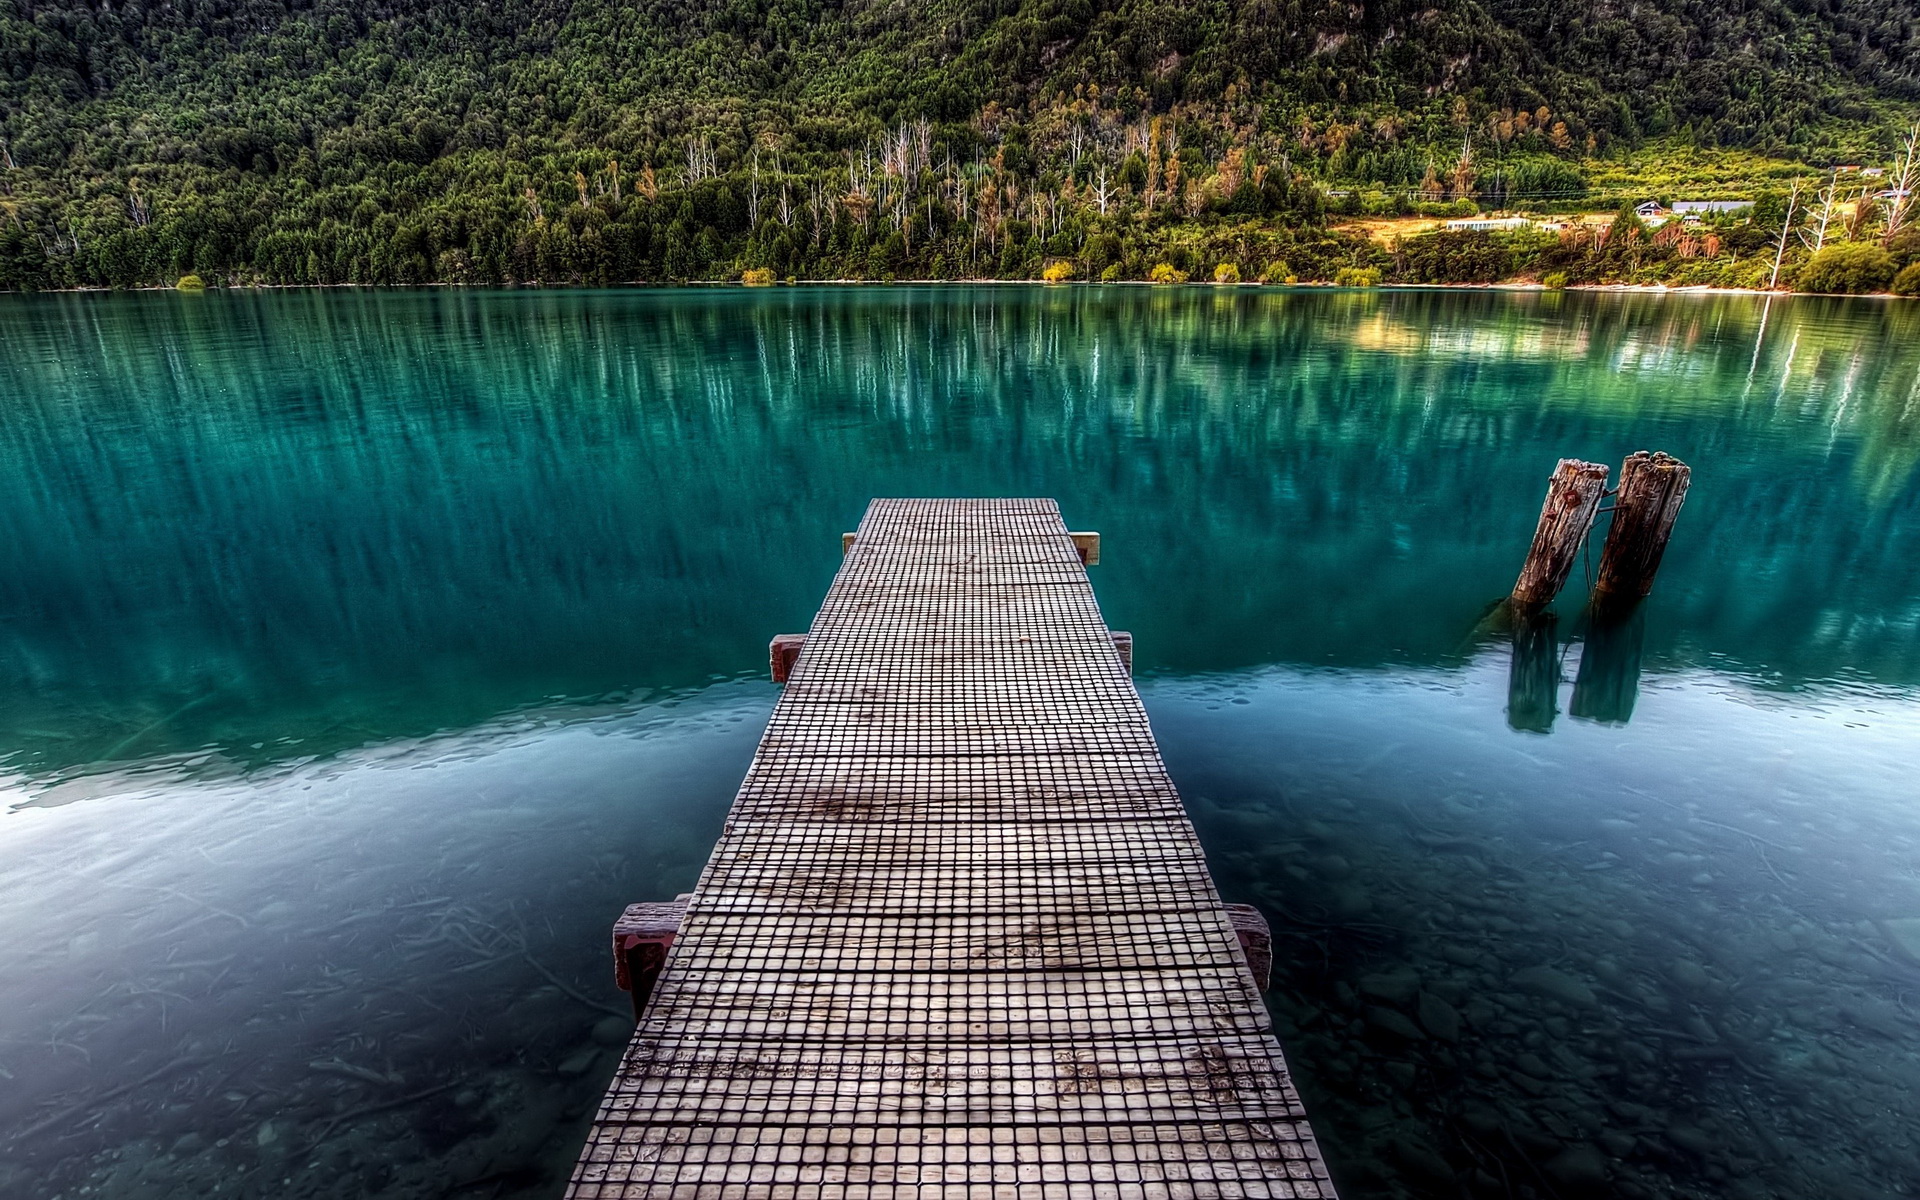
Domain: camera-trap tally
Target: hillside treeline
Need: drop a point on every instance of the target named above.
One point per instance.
(622, 140)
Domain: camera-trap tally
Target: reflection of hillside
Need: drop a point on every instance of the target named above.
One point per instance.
(1503, 342)
(397, 511)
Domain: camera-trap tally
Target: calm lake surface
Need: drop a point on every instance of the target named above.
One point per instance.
(361, 654)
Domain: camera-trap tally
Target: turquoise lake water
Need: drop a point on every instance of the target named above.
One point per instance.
(361, 654)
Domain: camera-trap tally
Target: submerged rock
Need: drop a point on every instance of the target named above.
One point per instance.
(612, 1031)
(1875, 1020)
(1333, 866)
(1351, 900)
(1618, 1144)
(1904, 933)
(1439, 1018)
(1554, 985)
(579, 1062)
(1394, 1023)
(1420, 1159)
(1580, 1167)
(1692, 1139)
(1690, 975)
(1533, 1065)
(1395, 987)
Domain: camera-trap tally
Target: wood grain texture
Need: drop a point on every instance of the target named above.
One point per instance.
(1573, 497)
(1652, 489)
(958, 939)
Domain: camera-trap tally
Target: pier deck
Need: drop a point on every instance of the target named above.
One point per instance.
(958, 939)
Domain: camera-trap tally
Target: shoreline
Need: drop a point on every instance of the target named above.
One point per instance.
(1651, 289)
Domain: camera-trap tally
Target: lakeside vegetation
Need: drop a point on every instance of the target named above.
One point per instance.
(641, 140)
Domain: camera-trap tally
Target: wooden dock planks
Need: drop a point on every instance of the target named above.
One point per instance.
(958, 939)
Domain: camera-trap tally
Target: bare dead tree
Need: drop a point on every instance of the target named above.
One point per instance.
(700, 160)
(753, 193)
(1786, 226)
(1816, 236)
(1900, 204)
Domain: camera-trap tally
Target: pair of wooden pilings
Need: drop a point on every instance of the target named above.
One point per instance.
(1652, 488)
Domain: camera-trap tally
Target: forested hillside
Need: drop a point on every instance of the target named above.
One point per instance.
(613, 140)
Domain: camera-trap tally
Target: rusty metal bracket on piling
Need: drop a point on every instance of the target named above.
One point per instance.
(640, 940)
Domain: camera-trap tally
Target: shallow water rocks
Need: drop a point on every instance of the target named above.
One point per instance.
(1554, 985)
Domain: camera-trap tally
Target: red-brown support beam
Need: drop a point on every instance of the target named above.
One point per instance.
(1256, 941)
(782, 652)
(640, 940)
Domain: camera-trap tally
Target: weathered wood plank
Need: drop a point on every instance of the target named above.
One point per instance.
(1573, 497)
(958, 938)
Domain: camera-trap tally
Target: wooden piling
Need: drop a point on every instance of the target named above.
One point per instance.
(1652, 489)
(783, 652)
(1573, 496)
(1256, 942)
(641, 938)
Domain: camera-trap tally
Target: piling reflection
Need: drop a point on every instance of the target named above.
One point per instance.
(1533, 679)
(1608, 681)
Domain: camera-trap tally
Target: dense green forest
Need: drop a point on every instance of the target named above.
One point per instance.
(598, 141)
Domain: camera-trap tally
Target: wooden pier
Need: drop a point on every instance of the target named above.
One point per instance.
(958, 939)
